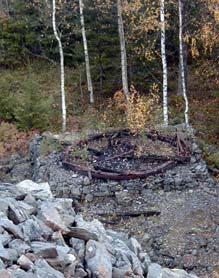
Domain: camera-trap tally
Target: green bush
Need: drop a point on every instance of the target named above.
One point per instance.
(33, 108)
(213, 160)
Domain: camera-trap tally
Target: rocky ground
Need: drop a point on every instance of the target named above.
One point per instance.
(42, 236)
(178, 223)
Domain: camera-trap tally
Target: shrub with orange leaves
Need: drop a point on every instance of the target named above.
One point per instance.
(134, 112)
(139, 110)
(13, 141)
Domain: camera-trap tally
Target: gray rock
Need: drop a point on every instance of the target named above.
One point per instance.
(118, 235)
(145, 261)
(25, 263)
(79, 247)
(10, 227)
(76, 191)
(20, 211)
(89, 197)
(94, 227)
(178, 181)
(64, 258)
(62, 250)
(4, 204)
(20, 246)
(40, 191)
(9, 190)
(86, 181)
(35, 229)
(154, 271)
(5, 239)
(125, 271)
(44, 249)
(5, 274)
(57, 215)
(19, 273)
(79, 273)
(69, 271)
(8, 255)
(98, 260)
(123, 197)
(64, 207)
(44, 270)
(125, 258)
(2, 265)
(58, 238)
(135, 246)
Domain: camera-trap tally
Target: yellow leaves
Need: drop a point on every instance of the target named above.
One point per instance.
(209, 37)
(194, 49)
(138, 110)
(4, 19)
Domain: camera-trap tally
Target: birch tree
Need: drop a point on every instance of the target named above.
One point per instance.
(182, 67)
(164, 62)
(123, 50)
(87, 60)
(62, 70)
(184, 47)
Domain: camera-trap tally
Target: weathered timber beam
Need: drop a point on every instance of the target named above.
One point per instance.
(146, 213)
(119, 176)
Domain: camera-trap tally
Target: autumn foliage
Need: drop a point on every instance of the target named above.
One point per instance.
(13, 141)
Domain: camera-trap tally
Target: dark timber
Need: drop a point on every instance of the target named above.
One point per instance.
(114, 138)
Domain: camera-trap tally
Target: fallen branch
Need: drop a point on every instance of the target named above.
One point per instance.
(146, 213)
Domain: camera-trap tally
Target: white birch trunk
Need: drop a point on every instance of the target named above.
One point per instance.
(123, 50)
(87, 62)
(182, 69)
(62, 71)
(164, 62)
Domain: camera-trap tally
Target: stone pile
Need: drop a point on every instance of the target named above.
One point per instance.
(42, 236)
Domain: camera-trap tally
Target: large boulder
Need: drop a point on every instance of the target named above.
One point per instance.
(40, 191)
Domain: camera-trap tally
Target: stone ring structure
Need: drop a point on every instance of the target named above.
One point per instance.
(120, 152)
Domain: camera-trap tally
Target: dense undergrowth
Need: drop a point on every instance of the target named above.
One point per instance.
(30, 100)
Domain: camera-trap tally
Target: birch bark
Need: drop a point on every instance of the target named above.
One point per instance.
(184, 47)
(87, 60)
(123, 50)
(62, 70)
(182, 69)
(164, 62)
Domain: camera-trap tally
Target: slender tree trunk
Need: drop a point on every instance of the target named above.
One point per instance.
(185, 50)
(101, 75)
(4, 7)
(81, 89)
(87, 62)
(123, 50)
(7, 8)
(182, 69)
(62, 70)
(164, 62)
